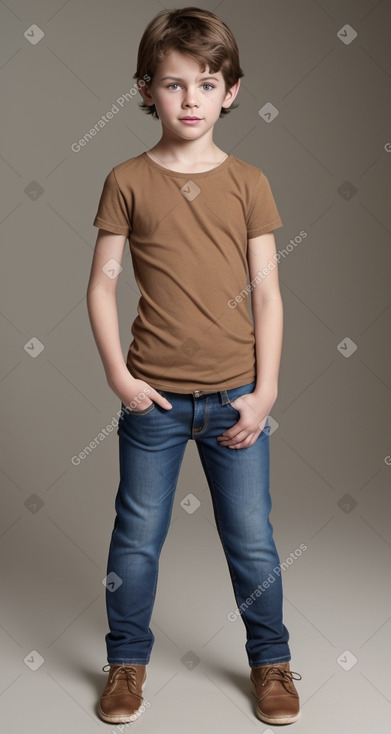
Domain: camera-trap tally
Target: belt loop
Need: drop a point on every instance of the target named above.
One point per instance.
(224, 397)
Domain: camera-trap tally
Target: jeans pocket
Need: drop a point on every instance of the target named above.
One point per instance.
(237, 392)
(145, 411)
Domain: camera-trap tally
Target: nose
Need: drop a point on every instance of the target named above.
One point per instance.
(190, 98)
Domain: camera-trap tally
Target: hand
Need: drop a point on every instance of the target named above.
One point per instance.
(138, 395)
(254, 409)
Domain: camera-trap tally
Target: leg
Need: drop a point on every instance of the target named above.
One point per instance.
(150, 461)
(239, 485)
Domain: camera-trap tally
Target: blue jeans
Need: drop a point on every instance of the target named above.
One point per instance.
(152, 443)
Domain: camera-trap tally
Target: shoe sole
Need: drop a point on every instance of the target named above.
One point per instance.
(273, 719)
(121, 718)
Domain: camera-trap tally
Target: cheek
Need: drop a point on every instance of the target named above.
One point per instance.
(214, 104)
(168, 104)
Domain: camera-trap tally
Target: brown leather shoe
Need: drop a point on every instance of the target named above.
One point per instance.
(277, 698)
(121, 700)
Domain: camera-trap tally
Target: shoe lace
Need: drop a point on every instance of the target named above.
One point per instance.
(276, 673)
(118, 671)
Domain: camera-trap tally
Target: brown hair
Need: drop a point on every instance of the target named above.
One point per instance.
(195, 32)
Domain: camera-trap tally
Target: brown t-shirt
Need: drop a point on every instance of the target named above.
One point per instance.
(188, 236)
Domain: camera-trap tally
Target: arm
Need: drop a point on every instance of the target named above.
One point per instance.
(267, 311)
(102, 305)
(103, 315)
(267, 308)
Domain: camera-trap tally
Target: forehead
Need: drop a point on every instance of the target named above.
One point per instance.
(184, 66)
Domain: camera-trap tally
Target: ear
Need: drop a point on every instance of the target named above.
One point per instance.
(146, 94)
(231, 94)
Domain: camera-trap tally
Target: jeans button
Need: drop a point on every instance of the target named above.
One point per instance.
(197, 393)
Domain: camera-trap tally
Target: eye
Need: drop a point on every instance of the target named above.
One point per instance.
(173, 84)
(208, 85)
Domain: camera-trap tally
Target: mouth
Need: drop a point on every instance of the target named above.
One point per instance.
(190, 118)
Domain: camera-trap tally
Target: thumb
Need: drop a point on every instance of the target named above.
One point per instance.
(157, 398)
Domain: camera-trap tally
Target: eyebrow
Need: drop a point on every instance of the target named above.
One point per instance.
(179, 79)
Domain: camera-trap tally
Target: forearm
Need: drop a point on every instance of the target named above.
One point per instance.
(268, 328)
(103, 315)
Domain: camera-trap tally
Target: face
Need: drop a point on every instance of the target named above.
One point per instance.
(179, 90)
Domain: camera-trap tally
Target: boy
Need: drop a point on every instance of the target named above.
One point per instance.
(197, 367)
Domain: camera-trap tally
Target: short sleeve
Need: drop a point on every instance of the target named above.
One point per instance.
(263, 216)
(112, 214)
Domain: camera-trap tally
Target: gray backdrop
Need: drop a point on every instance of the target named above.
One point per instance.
(326, 147)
